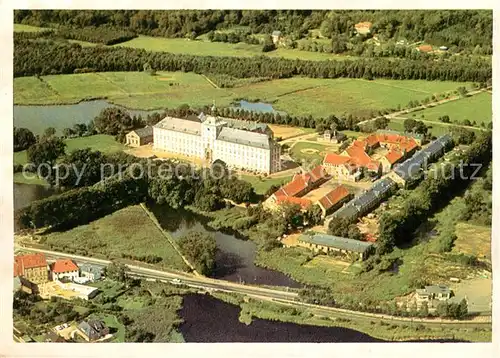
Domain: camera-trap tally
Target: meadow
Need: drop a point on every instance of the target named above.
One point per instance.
(474, 108)
(296, 96)
(305, 151)
(124, 233)
(261, 185)
(101, 142)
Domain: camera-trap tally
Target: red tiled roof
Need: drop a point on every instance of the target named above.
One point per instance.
(61, 266)
(299, 183)
(393, 156)
(335, 159)
(23, 262)
(304, 203)
(334, 197)
(363, 24)
(316, 174)
(425, 48)
(409, 145)
(372, 139)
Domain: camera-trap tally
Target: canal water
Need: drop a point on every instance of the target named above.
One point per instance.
(235, 255)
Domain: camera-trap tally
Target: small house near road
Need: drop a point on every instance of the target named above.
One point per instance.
(91, 272)
(341, 245)
(139, 137)
(93, 330)
(333, 137)
(434, 292)
(64, 269)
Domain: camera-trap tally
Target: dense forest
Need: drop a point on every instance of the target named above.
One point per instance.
(461, 28)
(30, 58)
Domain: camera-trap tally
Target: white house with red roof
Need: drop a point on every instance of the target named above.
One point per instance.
(64, 269)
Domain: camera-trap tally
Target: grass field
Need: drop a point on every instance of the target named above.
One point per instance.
(101, 142)
(28, 28)
(128, 231)
(296, 96)
(474, 108)
(285, 132)
(262, 185)
(473, 240)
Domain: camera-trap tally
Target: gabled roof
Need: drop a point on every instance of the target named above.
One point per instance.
(335, 159)
(61, 266)
(299, 183)
(334, 197)
(425, 48)
(23, 262)
(144, 132)
(316, 174)
(304, 203)
(361, 159)
(337, 242)
(393, 156)
(363, 24)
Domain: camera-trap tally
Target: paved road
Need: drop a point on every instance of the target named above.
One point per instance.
(278, 296)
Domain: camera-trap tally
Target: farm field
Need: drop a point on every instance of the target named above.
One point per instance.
(126, 232)
(285, 132)
(474, 108)
(295, 96)
(435, 128)
(102, 142)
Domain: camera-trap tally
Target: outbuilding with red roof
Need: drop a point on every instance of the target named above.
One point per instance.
(32, 267)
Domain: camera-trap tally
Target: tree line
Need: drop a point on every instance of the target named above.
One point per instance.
(440, 186)
(30, 59)
(463, 29)
(101, 35)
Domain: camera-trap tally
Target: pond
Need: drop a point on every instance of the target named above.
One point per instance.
(257, 107)
(235, 256)
(37, 118)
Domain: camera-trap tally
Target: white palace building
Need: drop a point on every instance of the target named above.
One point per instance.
(241, 145)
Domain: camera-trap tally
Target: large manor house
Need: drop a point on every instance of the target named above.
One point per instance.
(239, 144)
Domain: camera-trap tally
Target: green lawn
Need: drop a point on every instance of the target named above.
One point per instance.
(474, 108)
(295, 96)
(262, 185)
(28, 28)
(126, 232)
(310, 151)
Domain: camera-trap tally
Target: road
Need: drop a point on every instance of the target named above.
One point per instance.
(278, 296)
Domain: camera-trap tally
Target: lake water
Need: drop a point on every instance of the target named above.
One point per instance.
(258, 107)
(207, 319)
(37, 118)
(235, 256)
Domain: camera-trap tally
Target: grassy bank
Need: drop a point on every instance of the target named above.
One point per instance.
(101, 142)
(386, 330)
(127, 233)
(140, 90)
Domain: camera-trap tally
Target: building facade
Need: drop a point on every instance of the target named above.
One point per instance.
(64, 269)
(215, 138)
(32, 267)
(139, 137)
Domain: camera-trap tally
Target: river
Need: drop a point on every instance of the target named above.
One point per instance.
(235, 256)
